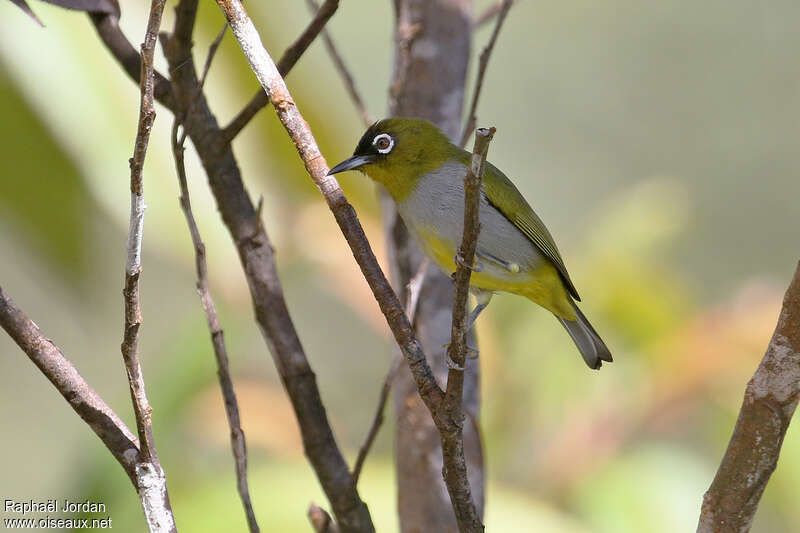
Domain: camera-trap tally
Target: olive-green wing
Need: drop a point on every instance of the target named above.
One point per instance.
(507, 199)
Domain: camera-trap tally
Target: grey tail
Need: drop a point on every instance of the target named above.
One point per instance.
(589, 343)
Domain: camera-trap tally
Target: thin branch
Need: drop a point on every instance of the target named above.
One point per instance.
(455, 467)
(300, 134)
(133, 267)
(238, 443)
(412, 297)
(770, 400)
(212, 51)
(405, 37)
(317, 24)
(344, 72)
(151, 481)
(116, 436)
(377, 420)
(489, 13)
(287, 61)
(271, 313)
(483, 63)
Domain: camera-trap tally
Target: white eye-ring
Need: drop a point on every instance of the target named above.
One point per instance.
(383, 142)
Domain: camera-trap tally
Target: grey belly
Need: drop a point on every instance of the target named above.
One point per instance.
(438, 203)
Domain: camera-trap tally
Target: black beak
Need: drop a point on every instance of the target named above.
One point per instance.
(352, 163)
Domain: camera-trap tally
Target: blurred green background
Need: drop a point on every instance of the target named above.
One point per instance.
(658, 140)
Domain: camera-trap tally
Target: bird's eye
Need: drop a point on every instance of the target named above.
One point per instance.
(384, 143)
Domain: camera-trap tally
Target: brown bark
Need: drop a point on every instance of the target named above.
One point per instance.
(186, 100)
(432, 49)
(770, 400)
(258, 261)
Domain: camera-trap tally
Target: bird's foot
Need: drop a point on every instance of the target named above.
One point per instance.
(452, 365)
(471, 354)
(476, 267)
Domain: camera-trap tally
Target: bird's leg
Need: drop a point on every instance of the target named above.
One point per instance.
(511, 267)
(483, 297)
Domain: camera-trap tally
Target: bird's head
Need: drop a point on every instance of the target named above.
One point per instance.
(397, 152)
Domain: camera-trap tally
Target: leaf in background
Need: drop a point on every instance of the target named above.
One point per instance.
(42, 195)
(24, 7)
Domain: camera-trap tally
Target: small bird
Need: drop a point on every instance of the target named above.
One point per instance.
(424, 174)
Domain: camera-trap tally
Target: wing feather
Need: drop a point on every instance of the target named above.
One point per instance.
(507, 199)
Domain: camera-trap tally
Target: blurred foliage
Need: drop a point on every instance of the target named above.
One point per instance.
(658, 140)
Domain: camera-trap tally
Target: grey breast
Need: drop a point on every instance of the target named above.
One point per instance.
(438, 202)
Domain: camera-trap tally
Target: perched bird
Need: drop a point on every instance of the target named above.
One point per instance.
(424, 174)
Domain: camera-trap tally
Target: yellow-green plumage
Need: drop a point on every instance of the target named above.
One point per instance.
(424, 173)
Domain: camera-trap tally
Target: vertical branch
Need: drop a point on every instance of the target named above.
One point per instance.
(432, 50)
(452, 435)
(770, 400)
(238, 443)
(151, 481)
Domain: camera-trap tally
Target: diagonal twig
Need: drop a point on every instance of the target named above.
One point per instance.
(412, 297)
(238, 443)
(489, 13)
(258, 262)
(116, 436)
(483, 63)
(107, 27)
(300, 134)
(287, 61)
(344, 72)
(770, 400)
(212, 51)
